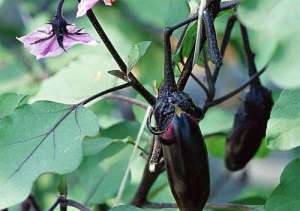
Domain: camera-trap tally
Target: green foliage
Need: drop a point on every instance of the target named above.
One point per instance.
(125, 208)
(80, 79)
(99, 176)
(283, 127)
(286, 194)
(35, 140)
(167, 12)
(275, 23)
(9, 102)
(136, 53)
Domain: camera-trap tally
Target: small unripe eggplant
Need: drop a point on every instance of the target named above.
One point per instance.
(249, 127)
(186, 161)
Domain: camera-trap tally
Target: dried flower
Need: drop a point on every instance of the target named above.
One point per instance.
(55, 38)
(85, 5)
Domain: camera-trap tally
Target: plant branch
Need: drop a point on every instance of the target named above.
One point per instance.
(68, 203)
(231, 94)
(227, 5)
(59, 8)
(208, 206)
(147, 181)
(113, 89)
(127, 100)
(34, 203)
(250, 56)
(135, 83)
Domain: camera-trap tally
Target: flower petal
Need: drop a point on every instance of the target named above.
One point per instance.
(84, 6)
(42, 43)
(109, 2)
(81, 38)
(40, 33)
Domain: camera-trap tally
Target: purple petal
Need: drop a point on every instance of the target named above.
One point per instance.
(84, 6)
(49, 46)
(72, 39)
(40, 33)
(45, 48)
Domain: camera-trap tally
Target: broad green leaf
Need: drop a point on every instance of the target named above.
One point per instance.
(284, 124)
(126, 208)
(167, 12)
(275, 25)
(39, 138)
(9, 102)
(92, 146)
(284, 67)
(136, 53)
(286, 195)
(121, 130)
(80, 79)
(216, 121)
(99, 176)
(271, 16)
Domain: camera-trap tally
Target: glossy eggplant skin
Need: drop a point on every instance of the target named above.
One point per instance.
(249, 127)
(187, 163)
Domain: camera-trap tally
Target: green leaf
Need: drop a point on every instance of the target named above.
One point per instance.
(286, 195)
(92, 146)
(136, 53)
(99, 176)
(9, 102)
(39, 138)
(275, 25)
(212, 123)
(167, 12)
(215, 145)
(284, 124)
(126, 208)
(121, 130)
(82, 78)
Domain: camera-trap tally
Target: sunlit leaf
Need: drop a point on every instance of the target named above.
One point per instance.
(275, 24)
(80, 79)
(216, 121)
(136, 53)
(284, 124)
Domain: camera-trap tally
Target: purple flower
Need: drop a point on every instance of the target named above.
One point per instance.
(85, 5)
(55, 38)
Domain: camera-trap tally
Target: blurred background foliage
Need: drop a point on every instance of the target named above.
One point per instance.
(82, 72)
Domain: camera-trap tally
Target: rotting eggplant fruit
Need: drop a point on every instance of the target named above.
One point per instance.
(249, 127)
